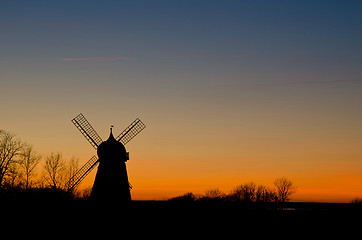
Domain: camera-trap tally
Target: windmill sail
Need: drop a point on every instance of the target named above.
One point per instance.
(87, 130)
(82, 173)
(131, 131)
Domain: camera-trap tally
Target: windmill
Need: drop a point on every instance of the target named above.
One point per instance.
(111, 182)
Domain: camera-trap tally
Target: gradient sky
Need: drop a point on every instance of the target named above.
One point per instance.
(230, 91)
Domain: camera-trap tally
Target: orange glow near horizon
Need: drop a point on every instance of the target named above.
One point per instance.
(329, 185)
(163, 163)
(159, 190)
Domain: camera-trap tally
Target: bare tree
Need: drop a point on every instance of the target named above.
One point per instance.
(13, 176)
(71, 168)
(28, 162)
(245, 192)
(357, 200)
(54, 171)
(284, 189)
(10, 148)
(264, 194)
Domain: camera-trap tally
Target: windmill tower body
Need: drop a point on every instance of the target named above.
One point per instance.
(111, 182)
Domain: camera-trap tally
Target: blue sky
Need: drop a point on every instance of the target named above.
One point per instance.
(181, 27)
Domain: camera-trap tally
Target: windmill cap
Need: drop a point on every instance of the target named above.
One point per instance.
(111, 148)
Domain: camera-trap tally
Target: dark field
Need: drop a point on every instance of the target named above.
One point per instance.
(168, 220)
(224, 212)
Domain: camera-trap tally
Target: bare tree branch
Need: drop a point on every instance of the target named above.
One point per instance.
(54, 170)
(10, 147)
(28, 162)
(285, 189)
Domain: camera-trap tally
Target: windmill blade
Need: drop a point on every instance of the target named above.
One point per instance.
(131, 131)
(87, 130)
(82, 173)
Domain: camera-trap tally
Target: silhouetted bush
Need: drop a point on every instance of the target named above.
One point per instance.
(187, 197)
(213, 195)
(35, 194)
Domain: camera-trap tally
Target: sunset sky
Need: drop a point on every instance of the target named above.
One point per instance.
(230, 91)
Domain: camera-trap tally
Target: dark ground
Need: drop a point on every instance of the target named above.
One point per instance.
(184, 208)
(240, 209)
(253, 220)
(168, 219)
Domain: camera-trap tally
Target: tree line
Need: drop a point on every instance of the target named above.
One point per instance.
(282, 191)
(23, 169)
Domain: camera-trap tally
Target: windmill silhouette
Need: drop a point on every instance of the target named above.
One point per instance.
(111, 182)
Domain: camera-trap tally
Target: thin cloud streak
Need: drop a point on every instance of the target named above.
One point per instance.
(164, 57)
(94, 58)
(204, 57)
